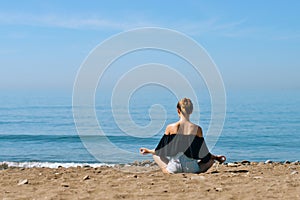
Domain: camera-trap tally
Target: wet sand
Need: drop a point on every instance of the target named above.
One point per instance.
(145, 181)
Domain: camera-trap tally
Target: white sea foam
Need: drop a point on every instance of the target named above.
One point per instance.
(53, 164)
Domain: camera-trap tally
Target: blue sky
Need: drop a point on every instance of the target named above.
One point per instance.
(255, 44)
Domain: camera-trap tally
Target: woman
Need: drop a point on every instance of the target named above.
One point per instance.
(182, 148)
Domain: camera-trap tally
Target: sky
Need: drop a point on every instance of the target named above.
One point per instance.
(255, 44)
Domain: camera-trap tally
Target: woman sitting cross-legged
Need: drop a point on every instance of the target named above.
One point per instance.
(182, 149)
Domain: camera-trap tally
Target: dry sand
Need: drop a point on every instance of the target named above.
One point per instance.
(233, 181)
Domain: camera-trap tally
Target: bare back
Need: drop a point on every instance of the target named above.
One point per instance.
(184, 128)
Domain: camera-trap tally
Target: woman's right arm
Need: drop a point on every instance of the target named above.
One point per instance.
(145, 151)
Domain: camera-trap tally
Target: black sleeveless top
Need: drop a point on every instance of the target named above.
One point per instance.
(192, 146)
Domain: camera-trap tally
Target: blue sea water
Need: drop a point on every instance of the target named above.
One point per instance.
(39, 127)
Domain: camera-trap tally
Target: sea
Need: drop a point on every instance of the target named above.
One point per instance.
(37, 128)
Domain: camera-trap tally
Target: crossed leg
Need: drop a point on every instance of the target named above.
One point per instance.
(162, 163)
(205, 166)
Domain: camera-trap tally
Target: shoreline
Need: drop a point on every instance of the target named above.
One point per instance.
(240, 180)
(37, 164)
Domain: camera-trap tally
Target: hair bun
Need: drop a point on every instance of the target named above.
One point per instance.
(186, 105)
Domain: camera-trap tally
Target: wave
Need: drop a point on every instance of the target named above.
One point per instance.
(58, 137)
(67, 107)
(52, 164)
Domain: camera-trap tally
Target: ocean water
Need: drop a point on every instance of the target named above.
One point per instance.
(37, 128)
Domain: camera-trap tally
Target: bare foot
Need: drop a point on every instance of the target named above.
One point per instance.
(220, 159)
(165, 171)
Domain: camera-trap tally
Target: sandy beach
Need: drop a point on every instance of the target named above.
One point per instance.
(145, 181)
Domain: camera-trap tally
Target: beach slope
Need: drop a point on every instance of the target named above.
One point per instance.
(231, 181)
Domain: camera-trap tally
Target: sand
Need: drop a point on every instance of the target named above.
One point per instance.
(231, 181)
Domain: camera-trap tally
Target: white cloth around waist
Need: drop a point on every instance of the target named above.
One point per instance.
(180, 163)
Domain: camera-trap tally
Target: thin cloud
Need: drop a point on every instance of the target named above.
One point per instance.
(212, 26)
(75, 22)
(52, 20)
(235, 29)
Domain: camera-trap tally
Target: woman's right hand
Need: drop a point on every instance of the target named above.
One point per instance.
(144, 151)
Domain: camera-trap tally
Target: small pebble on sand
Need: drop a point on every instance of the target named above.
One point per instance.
(245, 162)
(23, 182)
(294, 172)
(232, 165)
(65, 185)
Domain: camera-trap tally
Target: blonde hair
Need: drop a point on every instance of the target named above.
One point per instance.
(185, 105)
